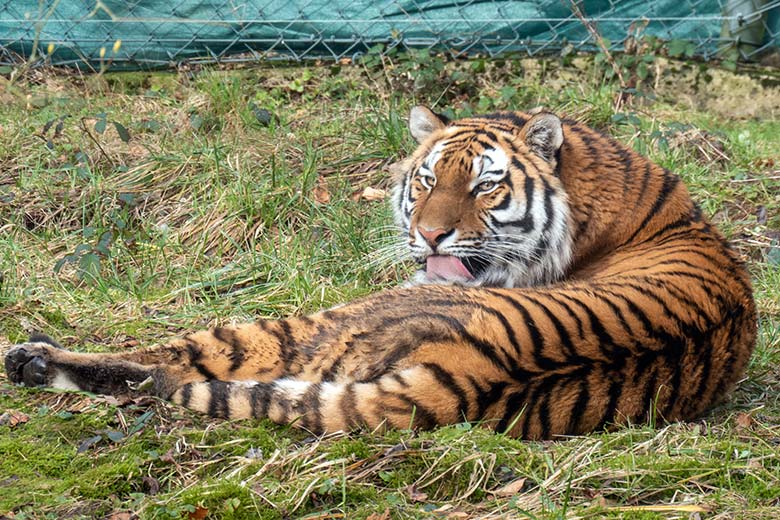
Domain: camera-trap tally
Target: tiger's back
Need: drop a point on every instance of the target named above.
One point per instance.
(569, 283)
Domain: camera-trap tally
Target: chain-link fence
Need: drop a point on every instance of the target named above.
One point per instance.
(152, 33)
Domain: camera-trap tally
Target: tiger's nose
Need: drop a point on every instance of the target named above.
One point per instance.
(434, 236)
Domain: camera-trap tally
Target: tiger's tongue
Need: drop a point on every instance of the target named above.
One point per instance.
(447, 267)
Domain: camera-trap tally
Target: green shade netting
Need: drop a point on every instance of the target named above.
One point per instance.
(161, 32)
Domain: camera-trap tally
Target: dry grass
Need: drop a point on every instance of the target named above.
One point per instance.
(217, 211)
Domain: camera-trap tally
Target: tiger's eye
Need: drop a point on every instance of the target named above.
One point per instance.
(428, 181)
(486, 185)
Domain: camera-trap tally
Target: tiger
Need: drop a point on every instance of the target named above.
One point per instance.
(566, 285)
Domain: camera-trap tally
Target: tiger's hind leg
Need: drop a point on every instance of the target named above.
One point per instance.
(258, 351)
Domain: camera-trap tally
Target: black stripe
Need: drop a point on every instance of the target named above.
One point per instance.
(485, 349)
(509, 329)
(486, 398)
(486, 145)
(423, 417)
(693, 305)
(446, 380)
(571, 352)
(645, 179)
(517, 164)
(399, 379)
(525, 224)
(329, 374)
(683, 224)
(569, 311)
(511, 117)
(674, 360)
(543, 409)
(529, 188)
(287, 349)
(615, 309)
(614, 353)
(548, 207)
(186, 395)
(537, 341)
(615, 391)
(670, 182)
(580, 405)
(628, 167)
(647, 363)
(504, 204)
(260, 398)
(349, 410)
(531, 404)
(309, 407)
(735, 316)
(196, 355)
(644, 291)
(237, 353)
(650, 330)
(513, 405)
(219, 393)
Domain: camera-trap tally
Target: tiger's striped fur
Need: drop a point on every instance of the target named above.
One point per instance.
(589, 290)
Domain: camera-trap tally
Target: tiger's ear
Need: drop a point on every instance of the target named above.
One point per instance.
(543, 134)
(423, 122)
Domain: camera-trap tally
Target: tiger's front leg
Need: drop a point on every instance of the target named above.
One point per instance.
(260, 351)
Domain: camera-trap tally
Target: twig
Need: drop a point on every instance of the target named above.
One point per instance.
(89, 134)
(603, 46)
(760, 179)
(599, 40)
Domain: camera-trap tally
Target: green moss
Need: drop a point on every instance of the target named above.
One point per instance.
(228, 500)
(351, 449)
(12, 329)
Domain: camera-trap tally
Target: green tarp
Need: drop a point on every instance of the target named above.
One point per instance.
(162, 32)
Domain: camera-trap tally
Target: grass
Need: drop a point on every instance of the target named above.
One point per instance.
(239, 195)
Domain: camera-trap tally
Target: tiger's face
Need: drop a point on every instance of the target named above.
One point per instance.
(480, 203)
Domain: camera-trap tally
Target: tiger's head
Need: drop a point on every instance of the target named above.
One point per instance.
(480, 201)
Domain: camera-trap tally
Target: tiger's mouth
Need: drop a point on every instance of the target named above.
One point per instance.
(454, 268)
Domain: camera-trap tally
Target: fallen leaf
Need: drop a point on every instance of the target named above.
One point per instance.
(415, 494)
(379, 516)
(115, 436)
(168, 457)
(371, 194)
(88, 443)
(199, 514)
(151, 484)
(122, 516)
(321, 193)
(13, 418)
(743, 420)
(510, 489)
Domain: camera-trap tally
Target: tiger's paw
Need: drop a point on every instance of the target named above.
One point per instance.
(30, 363)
